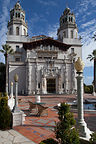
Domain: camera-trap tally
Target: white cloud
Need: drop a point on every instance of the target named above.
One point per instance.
(83, 8)
(48, 2)
(84, 5)
(86, 50)
(89, 23)
(34, 21)
(52, 30)
(3, 24)
(88, 80)
(88, 43)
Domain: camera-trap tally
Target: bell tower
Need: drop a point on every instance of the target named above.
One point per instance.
(68, 32)
(17, 25)
(68, 28)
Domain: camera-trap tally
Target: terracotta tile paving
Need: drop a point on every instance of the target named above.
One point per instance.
(40, 128)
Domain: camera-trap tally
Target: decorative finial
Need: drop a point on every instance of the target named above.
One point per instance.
(16, 78)
(79, 65)
(11, 83)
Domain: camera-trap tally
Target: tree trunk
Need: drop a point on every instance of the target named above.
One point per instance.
(95, 74)
(6, 62)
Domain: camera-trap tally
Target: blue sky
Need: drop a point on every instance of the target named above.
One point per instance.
(43, 18)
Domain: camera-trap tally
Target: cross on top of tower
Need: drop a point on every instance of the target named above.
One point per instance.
(18, 1)
(66, 4)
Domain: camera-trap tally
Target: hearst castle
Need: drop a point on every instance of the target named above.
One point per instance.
(44, 65)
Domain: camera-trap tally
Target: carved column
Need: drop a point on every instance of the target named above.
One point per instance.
(7, 89)
(59, 84)
(11, 94)
(16, 109)
(66, 80)
(82, 126)
(73, 78)
(44, 85)
(28, 79)
(36, 78)
(17, 115)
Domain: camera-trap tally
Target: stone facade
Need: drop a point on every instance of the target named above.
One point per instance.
(44, 65)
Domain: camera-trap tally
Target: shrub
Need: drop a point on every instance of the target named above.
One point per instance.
(64, 128)
(88, 89)
(3, 94)
(0, 94)
(49, 141)
(93, 138)
(5, 114)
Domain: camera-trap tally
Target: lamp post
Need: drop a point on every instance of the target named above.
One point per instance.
(16, 109)
(81, 124)
(11, 90)
(7, 88)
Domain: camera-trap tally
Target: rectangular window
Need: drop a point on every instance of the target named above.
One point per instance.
(63, 85)
(39, 85)
(17, 59)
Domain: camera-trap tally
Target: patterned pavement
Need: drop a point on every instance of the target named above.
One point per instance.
(40, 128)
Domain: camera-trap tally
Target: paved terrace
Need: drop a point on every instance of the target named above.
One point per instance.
(40, 128)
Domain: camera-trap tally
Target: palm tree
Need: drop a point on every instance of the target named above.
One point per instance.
(94, 37)
(6, 51)
(93, 57)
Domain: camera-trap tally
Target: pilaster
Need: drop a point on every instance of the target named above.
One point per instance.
(28, 79)
(44, 85)
(73, 87)
(66, 80)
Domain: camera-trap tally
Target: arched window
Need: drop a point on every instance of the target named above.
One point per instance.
(64, 34)
(11, 16)
(71, 19)
(71, 33)
(66, 19)
(10, 31)
(24, 32)
(18, 15)
(17, 30)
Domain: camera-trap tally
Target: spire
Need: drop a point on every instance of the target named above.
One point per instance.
(17, 5)
(17, 19)
(66, 4)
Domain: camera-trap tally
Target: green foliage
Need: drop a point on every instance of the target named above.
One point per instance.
(5, 113)
(49, 141)
(3, 101)
(88, 89)
(64, 128)
(6, 49)
(93, 138)
(68, 136)
(2, 77)
(92, 56)
(3, 94)
(0, 94)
